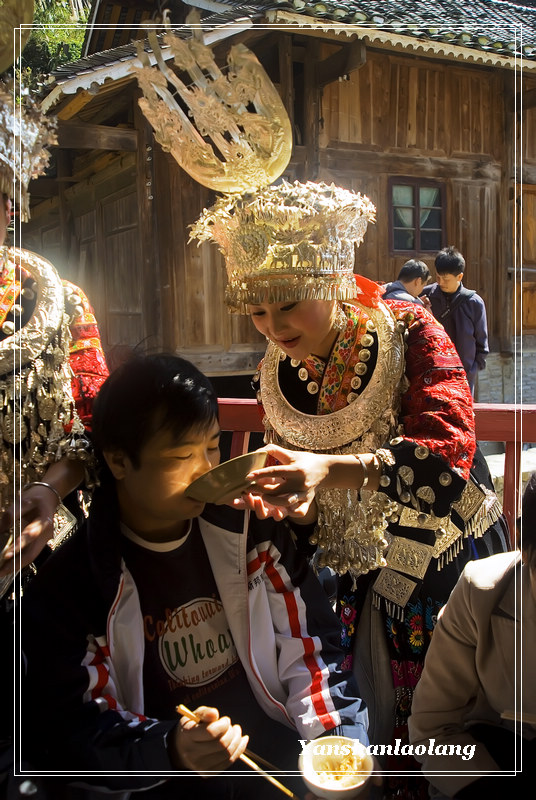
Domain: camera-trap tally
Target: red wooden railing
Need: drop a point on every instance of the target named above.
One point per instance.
(510, 424)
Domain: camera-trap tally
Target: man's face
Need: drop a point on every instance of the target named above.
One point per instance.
(416, 286)
(151, 496)
(449, 283)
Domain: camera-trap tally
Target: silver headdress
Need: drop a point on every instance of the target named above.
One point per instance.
(25, 133)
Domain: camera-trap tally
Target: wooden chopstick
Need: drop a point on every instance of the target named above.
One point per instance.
(245, 758)
(519, 716)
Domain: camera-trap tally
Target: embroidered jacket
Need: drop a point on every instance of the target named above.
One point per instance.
(395, 385)
(83, 610)
(51, 368)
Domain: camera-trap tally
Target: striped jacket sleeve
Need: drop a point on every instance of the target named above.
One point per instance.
(322, 693)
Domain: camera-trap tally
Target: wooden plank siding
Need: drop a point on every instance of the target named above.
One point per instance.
(429, 120)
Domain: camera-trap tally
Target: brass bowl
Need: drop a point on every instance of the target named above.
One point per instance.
(227, 480)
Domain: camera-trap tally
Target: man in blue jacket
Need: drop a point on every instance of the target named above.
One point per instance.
(461, 311)
(412, 278)
(161, 600)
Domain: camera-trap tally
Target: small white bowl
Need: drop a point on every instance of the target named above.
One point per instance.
(331, 751)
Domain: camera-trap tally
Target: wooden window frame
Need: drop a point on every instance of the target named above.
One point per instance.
(416, 183)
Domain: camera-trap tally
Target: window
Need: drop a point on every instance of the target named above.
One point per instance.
(416, 216)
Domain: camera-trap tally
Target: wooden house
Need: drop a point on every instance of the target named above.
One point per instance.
(429, 108)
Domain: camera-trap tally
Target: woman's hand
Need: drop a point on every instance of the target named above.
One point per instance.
(35, 512)
(297, 472)
(210, 745)
(298, 507)
(286, 489)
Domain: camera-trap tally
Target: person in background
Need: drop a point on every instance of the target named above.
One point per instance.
(477, 691)
(51, 358)
(167, 600)
(51, 367)
(461, 311)
(411, 280)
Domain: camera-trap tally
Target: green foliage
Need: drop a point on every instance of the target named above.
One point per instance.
(57, 37)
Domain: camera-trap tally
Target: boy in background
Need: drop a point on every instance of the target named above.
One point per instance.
(461, 311)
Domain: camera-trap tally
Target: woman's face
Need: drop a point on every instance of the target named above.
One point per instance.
(299, 328)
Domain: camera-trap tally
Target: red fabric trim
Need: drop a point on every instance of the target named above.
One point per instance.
(88, 364)
(308, 645)
(368, 292)
(102, 680)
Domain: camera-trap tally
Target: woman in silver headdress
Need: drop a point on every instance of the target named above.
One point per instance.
(51, 359)
(370, 417)
(366, 402)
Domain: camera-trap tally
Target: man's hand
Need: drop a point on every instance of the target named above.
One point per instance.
(210, 745)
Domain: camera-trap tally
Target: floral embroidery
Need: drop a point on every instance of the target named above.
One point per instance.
(347, 662)
(431, 611)
(392, 632)
(414, 626)
(335, 383)
(348, 615)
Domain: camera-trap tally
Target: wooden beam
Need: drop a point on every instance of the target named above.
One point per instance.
(348, 58)
(84, 136)
(74, 104)
(350, 159)
(152, 313)
(526, 99)
(286, 79)
(43, 187)
(505, 232)
(311, 115)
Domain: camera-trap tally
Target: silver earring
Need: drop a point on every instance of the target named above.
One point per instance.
(339, 320)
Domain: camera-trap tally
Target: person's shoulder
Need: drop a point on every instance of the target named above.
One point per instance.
(475, 299)
(401, 308)
(430, 288)
(223, 517)
(486, 573)
(235, 520)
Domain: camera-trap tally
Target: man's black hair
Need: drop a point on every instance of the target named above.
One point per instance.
(450, 261)
(148, 394)
(413, 269)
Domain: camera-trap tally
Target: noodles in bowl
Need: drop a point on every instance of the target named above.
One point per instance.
(335, 767)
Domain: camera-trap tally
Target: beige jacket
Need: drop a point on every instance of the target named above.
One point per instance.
(470, 669)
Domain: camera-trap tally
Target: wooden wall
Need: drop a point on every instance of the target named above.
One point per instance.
(411, 117)
(101, 252)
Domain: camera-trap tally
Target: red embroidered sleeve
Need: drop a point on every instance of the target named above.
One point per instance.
(86, 356)
(437, 408)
